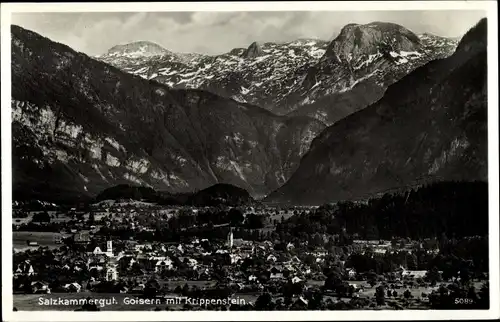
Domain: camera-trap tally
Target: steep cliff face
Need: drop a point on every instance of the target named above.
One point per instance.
(80, 126)
(431, 125)
(253, 51)
(356, 41)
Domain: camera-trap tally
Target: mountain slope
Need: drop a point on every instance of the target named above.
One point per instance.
(431, 125)
(80, 126)
(327, 81)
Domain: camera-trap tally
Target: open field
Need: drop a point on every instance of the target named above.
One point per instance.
(20, 238)
(61, 218)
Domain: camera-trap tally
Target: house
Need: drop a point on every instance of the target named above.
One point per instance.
(357, 288)
(379, 250)
(82, 237)
(25, 268)
(237, 242)
(290, 267)
(57, 239)
(73, 287)
(276, 272)
(96, 262)
(97, 251)
(138, 289)
(191, 262)
(351, 272)
(415, 274)
(146, 247)
(235, 258)
(40, 287)
(111, 272)
(203, 274)
(267, 243)
(163, 265)
(410, 273)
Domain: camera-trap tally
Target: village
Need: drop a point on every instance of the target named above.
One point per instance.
(118, 249)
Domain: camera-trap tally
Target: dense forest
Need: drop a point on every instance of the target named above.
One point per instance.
(458, 209)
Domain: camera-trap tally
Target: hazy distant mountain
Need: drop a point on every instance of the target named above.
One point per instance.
(325, 80)
(80, 126)
(430, 125)
(137, 49)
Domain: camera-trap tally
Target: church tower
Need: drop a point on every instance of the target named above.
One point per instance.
(109, 248)
(230, 238)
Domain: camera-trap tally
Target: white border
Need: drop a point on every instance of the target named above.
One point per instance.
(493, 161)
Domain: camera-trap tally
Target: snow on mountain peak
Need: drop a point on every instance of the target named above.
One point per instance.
(137, 49)
(286, 76)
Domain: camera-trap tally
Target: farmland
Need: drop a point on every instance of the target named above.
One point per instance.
(20, 239)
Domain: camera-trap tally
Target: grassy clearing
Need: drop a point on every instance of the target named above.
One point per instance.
(20, 238)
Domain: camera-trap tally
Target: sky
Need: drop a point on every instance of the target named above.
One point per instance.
(219, 32)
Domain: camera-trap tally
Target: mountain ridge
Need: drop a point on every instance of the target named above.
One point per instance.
(384, 145)
(301, 77)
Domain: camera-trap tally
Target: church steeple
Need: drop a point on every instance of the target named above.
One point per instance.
(109, 248)
(230, 238)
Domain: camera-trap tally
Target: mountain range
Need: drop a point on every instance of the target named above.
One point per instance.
(320, 79)
(429, 126)
(144, 115)
(80, 126)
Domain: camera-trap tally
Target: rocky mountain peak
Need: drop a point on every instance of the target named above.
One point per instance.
(137, 49)
(355, 40)
(254, 50)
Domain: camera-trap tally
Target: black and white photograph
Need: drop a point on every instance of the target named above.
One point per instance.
(209, 157)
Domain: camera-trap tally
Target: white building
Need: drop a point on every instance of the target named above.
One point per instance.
(234, 258)
(230, 239)
(271, 258)
(163, 265)
(351, 272)
(111, 273)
